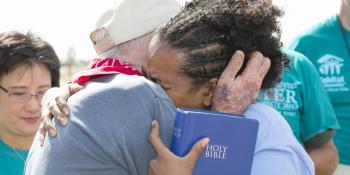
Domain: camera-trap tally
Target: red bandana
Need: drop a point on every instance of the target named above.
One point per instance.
(104, 66)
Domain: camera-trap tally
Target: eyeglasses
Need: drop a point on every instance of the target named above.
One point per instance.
(22, 96)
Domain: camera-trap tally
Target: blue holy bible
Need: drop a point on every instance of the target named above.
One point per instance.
(231, 146)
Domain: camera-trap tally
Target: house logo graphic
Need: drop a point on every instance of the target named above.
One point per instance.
(330, 65)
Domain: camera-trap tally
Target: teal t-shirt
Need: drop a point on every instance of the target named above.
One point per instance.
(11, 160)
(325, 46)
(301, 99)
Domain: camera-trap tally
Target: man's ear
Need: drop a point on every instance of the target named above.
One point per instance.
(209, 92)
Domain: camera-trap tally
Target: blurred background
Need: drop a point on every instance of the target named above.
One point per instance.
(67, 24)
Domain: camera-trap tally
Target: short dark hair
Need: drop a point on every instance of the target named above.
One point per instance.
(27, 49)
(208, 32)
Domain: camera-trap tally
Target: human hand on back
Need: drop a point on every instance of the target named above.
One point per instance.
(54, 105)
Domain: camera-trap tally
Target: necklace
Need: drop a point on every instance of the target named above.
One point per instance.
(18, 154)
(344, 37)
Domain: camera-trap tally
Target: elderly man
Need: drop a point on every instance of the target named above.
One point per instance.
(111, 117)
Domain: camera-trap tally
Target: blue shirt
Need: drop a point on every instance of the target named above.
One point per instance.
(277, 151)
(110, 123)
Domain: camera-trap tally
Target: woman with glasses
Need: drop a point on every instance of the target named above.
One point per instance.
(28, 67)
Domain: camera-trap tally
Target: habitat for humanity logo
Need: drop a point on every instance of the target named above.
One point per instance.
(330, 70)
(330, 64)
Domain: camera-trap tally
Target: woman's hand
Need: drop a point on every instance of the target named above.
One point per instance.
(54, 105)
(168, 163)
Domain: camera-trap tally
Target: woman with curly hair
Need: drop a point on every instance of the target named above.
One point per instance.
(188, 56)
(199, 41)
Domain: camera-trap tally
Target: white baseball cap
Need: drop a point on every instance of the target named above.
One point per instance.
(131, 19)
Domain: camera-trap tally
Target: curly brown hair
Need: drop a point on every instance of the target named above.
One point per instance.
(208, 32)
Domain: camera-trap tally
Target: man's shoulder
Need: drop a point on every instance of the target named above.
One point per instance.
(125, 94)
(126, 84)
(293, 55)
(318, 32)
(322, 27)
